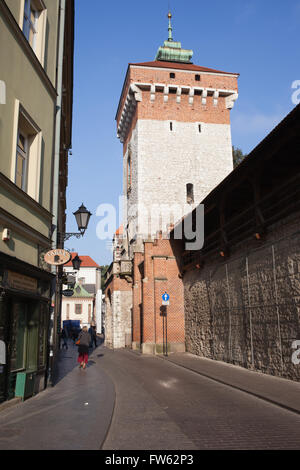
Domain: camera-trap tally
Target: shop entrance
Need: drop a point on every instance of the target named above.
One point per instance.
(4, 343)
(23, 329)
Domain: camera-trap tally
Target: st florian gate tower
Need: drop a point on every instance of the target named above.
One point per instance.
(173, 120)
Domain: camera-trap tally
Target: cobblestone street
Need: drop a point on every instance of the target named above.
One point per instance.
(127, 401)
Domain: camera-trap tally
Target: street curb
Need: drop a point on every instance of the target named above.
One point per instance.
(257, 395)
(10, 403)
(114, 406)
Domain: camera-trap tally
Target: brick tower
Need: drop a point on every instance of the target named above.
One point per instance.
(173, 120)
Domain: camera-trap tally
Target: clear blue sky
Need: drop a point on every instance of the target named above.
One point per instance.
(257, 38)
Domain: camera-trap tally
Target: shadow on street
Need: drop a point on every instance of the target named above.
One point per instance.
(67, 359)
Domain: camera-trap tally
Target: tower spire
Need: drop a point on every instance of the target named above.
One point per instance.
(172, 51)
(170, 29)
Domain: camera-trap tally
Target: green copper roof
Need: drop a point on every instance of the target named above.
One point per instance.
(79, 291)
(172, 51)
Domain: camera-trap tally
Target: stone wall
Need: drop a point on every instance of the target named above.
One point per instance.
(164, 161)
(246, 310)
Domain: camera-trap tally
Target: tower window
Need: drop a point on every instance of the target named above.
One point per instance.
(171, 126)
(172, 75)
(199, 127)
(190, 193)
(129, 175)
(197, 78)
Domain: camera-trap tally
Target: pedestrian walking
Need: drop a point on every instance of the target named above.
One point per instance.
(93, 334)
(83, 342)
(64, 338)
(74, 335)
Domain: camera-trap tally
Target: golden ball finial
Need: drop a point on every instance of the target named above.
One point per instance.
(169, 15)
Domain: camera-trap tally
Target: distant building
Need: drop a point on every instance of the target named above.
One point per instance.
(82, 305)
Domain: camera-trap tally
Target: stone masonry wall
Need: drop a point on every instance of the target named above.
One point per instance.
(246, 310)
(169, 160)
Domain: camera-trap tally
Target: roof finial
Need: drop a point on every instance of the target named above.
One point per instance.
(170, 27)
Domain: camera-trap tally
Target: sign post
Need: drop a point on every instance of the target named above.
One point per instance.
(165, 303)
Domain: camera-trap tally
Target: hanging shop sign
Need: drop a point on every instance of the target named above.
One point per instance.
(68, 292)
(57, 257)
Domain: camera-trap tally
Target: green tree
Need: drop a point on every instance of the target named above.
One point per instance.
(103, 273)
(237, 156)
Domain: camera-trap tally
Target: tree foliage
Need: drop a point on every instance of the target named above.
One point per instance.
(237, 156)
(103, 273)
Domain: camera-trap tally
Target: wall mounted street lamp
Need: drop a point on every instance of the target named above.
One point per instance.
(76, 262)
(82, 216)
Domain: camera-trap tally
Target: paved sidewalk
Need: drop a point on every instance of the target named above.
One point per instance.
(75, 414)
(282, 392)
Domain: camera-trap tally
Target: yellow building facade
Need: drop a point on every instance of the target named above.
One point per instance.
(35, 68)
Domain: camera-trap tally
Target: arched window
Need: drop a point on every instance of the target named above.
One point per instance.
(190, 193)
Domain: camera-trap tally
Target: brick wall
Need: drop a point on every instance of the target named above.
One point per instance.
(160, 275)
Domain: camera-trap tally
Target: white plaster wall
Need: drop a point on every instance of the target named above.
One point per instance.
(90, 274)
(164, 161)
(83, 317)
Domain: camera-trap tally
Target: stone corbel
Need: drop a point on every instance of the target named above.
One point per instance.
(152, 93)
(137, 92)
(204, 96)
(215, 97)
(166, 94)
(178, 97)
(230, 100)
(191, 96)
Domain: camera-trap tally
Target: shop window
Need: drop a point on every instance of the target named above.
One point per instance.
(43, 328)
(32, 336)
(18, 339)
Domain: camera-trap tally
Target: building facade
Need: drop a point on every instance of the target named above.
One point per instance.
(173, 120)
(83, 304)
(36, 56)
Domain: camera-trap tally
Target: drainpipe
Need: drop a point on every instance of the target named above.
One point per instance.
(53, 317)
(2, 92)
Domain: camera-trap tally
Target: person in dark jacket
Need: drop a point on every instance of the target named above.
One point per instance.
(83, 347)
(64, 338)
(93, 333)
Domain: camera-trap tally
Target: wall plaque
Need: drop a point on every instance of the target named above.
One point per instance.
(21, 282)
